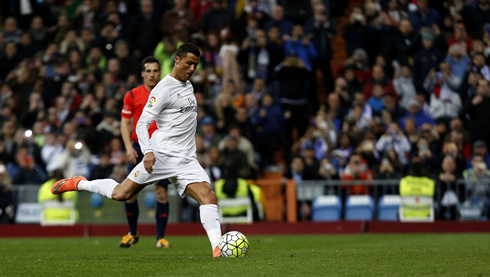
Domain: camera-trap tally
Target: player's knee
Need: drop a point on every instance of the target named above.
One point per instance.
(208, 197)
(162, 195)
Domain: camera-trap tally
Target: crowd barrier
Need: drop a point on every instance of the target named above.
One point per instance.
(279, 205)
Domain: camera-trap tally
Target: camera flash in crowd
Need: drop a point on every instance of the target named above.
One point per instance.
(28, 133)
(78, 145)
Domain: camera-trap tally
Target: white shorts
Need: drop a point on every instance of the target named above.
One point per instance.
(179, 171)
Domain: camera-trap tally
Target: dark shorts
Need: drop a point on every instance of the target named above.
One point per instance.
(137, 147)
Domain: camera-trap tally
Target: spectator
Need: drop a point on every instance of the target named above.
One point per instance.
(217, 17)
(165, 54)
(403, 84)
(356, 169)
(24, 170)
(378, 77)
(390, 108)
(242, 143)
(38, 32)
(178, 23)
(415, 112)
(143, 30)
(297, 173)
(477, 110)
(327, 170)
(244, 123)
(7, 210)
(208, 132)
(447, 187)
(478, 185)
(356, 32)
(294, 102)
(270, 120)
(387, 170)
(424, 16)
(445, 102)
(258, 88)
(214, 163)
(285, 26)
(9, 59)
(425, 59)
(129, 62)
(376, 99)
(11, 30)
(235, 160)
(75, 160)
(460, 36)
(394, 139)
(104, 168)
(321, 30)
(480, 16)
(52, 149)
(301, 46)
(256, 55)
(479, 149)
(199, 7)
(457, 59)
(404, 42)
(353, 83)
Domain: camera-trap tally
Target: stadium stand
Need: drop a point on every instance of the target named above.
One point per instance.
(382, 82)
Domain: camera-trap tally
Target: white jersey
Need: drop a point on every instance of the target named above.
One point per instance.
(173, 106)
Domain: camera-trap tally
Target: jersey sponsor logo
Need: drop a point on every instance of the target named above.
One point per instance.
(191, 108)
(152, 101)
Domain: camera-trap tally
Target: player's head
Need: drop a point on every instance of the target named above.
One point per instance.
(150, 71)
(186, 61)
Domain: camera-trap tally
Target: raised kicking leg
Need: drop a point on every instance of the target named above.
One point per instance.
(208, 209)
(106, 187)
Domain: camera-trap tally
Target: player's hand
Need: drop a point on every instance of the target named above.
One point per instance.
(132, 155)
(148, 161)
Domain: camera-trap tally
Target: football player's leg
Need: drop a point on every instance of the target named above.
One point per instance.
(203, 193)
(132, 212)
(162, 212)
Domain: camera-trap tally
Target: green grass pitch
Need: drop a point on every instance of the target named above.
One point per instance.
(298, 255)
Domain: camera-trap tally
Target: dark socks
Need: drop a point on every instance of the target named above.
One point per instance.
(132, 213)
(161, 218)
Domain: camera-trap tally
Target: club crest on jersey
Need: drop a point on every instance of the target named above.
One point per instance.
(191, 108)
(136, 174)
(152, 101)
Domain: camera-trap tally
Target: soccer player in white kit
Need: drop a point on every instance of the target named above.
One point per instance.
(171, 151)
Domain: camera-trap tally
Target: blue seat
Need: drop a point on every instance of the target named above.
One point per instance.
(326, 208)
(359, 207)
(388, 206)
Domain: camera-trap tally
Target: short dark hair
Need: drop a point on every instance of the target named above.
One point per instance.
(149, 59)
(187, 48)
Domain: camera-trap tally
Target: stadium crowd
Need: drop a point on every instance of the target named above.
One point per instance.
(415, 85)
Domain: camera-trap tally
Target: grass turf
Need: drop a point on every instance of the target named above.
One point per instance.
(299, 255)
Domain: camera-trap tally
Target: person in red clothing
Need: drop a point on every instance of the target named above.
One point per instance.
(356, 169)
(134, 102)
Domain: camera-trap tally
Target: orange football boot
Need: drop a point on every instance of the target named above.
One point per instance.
(70, 184)
(216, 252)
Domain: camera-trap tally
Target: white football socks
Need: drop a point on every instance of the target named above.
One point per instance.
(104, 187)
(210, 222)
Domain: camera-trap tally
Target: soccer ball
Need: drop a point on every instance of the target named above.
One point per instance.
(233, 244)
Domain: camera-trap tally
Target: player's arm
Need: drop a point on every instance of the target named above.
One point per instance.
(126, 115)
(126, 136)
(152, 109)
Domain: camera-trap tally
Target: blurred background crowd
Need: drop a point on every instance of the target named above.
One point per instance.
(412, 95)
